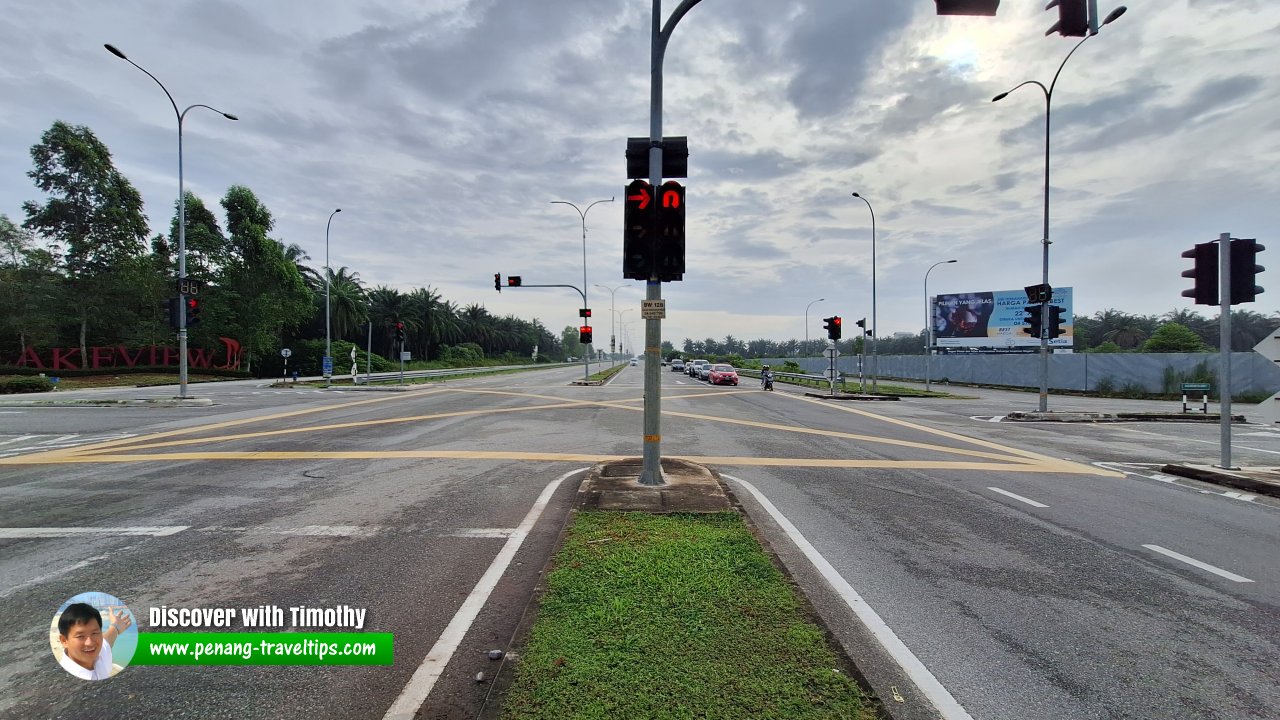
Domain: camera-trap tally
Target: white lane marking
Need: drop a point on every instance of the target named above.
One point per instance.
(304, 530)
(11, 412)
(58, 440)
(424, 678)
(56, 532)
(19, 438)
(1205, 442)
(1243, 497)
(1019, 498)
(482, 533)
(51, 575)
(1196, 563)
(987, 418)
(942, 700)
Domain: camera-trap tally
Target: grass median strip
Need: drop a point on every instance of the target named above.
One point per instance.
(682, 615)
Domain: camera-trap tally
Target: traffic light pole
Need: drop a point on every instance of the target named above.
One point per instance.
(651, 471)
(1224, 347)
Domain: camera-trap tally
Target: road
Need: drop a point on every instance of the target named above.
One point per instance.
(1034, 570)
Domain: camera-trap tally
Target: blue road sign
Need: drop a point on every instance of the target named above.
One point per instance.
(327, 366)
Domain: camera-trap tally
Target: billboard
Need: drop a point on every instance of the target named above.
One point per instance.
(994, 320)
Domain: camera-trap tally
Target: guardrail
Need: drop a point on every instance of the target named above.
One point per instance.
(393, 375)
(782, 376)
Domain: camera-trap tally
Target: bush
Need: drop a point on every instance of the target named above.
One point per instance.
(1105, 386)
(464, 355)
(15, 385)
(137, 370)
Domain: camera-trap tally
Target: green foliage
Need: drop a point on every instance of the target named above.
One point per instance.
(1105, 386)
(32, 384)
(790, 366)
(1171, 381)
(1107, 347)
(464, 355)
(1174, 337)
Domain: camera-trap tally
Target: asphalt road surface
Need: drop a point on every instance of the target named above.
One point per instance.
(1033, 570)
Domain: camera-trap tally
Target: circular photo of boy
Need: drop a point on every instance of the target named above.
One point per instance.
(93, 636)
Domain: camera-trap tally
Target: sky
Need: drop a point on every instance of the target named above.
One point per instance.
(445, 129)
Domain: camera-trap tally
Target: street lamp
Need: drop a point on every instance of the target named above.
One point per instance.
(875, 336)
(806, 322)
(928, 323)
(328, 272)
(612, 317)
(621, 313)
(586, 356)
(1048, 107)
(182, 221)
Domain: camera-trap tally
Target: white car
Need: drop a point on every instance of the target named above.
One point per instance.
(633, 362)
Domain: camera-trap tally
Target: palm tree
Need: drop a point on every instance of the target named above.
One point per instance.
(387, 306)
(347, 304)
(477, 325)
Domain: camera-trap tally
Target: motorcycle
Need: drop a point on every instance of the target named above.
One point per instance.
(767, 383)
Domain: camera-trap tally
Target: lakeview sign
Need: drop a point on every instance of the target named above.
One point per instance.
(106, 357)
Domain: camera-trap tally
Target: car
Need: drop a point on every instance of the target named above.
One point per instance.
(633, 362)
(722, 375)
(692, 367)
(677, 366)
(704, 371)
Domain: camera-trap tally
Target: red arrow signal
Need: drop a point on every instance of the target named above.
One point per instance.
(671, 199)
(642, 197)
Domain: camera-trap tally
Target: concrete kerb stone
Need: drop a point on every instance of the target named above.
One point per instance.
(1101, 417)
(140, 402)
(688, 487)
(1259, 480)
(851, 396)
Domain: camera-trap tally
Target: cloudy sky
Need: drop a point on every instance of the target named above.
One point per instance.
(445, 128)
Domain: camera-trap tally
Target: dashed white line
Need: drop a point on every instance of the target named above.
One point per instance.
(424, 678)
(49, 576)
(947, 706)
(1196, 563)
(1019, 498)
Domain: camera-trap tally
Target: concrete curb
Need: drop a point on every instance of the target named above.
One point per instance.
(851, 396)
(141, 402)
(1262, 481)
(1101, 417)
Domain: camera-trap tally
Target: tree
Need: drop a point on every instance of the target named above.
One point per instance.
(29, 285)
(259, 295)
(94, 215)
(207, 250)
(1173, 337)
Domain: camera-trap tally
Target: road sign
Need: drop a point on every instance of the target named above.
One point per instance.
(353, 353)
(327, 366)
(832, 353)
(405, 356)
(1269, 348)
(285, 352)
(1195, 387)
(653, 309)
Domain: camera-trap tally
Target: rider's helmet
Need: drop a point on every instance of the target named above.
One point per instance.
(766, 367)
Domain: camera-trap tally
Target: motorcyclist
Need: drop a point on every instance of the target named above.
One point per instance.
(766, 378)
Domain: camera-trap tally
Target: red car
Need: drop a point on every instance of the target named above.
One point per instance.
(722, 375)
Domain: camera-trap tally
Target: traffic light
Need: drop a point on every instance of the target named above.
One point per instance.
(513, 281)
(832, 326)
(1056, 313)
(1244, 270)
(967, 7)
(584, 313)
(1038, 293)
(399, 332)
(637, 230)
(862, 324)
(669, 259)
(1204, 275)
(1033, 323)
(497, 282)
(193, 312)
(1073, 18)
(584, 334)
(172, 312)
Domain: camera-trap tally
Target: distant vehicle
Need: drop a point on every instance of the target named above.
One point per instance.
(633, 362)
(722, 375)
(692, 367)
(704, 371)
(677, 365)
(570, 359)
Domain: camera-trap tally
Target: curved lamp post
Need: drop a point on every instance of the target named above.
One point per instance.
(875, 335)
(612, 316)
(1048, 108)
(328, 273)
(586, 356)
(806, 322)
(182, 220)
(928, 323)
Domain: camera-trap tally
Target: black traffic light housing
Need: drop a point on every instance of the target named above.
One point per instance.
(669, 258)
(833, 327)
(1056, 317)
(1073, 18)
(399, 329)
(497, 282)
(1034, 320)
(513, 281)
(584, 334)
(584, 312)
(967, 7)
(172, 312)
(637, 230)
(1204, 274)
(1244, 270)
(193, 312)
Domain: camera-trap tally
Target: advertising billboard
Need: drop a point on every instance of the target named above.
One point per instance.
(994, 319)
